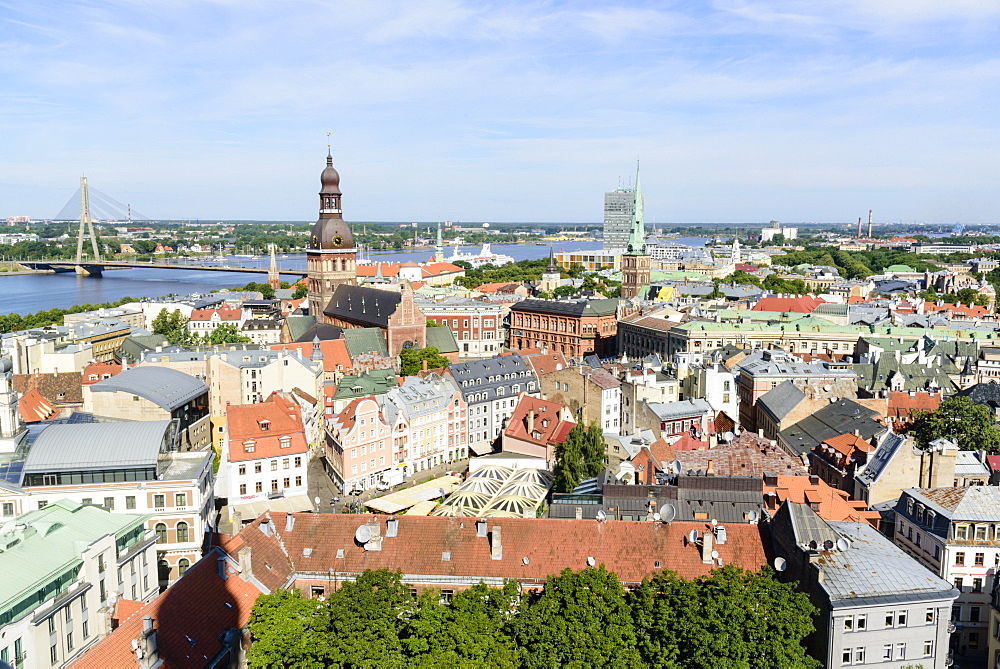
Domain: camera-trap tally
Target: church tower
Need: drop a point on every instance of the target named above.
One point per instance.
(439, 248)
(331, 258)
(635, 261)
(550, 277)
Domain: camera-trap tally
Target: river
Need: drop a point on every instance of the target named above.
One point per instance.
(28, 293)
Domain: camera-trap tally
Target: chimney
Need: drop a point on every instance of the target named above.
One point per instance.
(496, 547)
(221, 566)
(706, 547)
(289, 522)
(246, 564)
(391, 527)
(531, 421)
(147, 654)
(813, 479)
(820, 576)
(481, 527)
(710, 469)
(423, 365)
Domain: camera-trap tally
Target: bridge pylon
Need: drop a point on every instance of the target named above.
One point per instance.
(86, 220)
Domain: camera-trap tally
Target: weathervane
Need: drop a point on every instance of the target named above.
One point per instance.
(328, 143)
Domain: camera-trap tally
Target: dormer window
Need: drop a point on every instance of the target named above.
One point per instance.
(265, 425)
(286, 442)
(248, 446)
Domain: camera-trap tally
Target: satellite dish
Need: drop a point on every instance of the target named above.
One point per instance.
(715, 555)
(667, 513)
(135, 644)
(601, 515)
(843, 544)
(693, 536)
(656, 516)
(714, 522)
(363, 534)
(752, 516)
(728, 436)
(676, 467)
(780, 564)
(591, 561)
(827, 387)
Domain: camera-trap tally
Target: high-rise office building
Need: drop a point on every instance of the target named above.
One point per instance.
(619, 205)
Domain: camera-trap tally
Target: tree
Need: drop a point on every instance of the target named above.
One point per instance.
(301, 290)
(580, 619)
(173, 326)
(224, 334)
(288, 630)
(565, 291)
(411, 360)
(471, 632)
(367, 617)
(569, 469)
(960, 419)
(592, 450)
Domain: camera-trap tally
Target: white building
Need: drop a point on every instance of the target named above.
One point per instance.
(267, 455)
(64, 567)
(776, 228)
(955, 532)
(436, 416)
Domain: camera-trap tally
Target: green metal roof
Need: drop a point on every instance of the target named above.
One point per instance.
(365, 340)
(443, 338)
(41, 546)
(375, 382)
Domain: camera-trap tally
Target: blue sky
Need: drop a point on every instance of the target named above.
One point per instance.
(739, 110)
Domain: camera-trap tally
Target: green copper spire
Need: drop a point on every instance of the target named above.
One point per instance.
(637, 235)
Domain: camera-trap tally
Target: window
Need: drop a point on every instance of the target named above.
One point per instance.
(243, 470)
(900, 651)
(8, 508)
(980, 559)
(274, 485)
(960, 559)
(69, 642)
(87, 500)
(846, 657)
(959, 583)
(977, 585)
(180, 499)
(274, 465)
(962, 532)
(928, 648)
(109, 503)
(890, 617)
(130, 502)
(182, 566)
(973, 640)
(285, 483)
(42, 504)
(286, 442)
(159, 501)
(67, 612)
(887, 652)
(859, 656)
(86, 629)
(848, 623)
(54, 654)
(929, 617)
(298, 481)
(182, 532)
(161, 533)
(248, 446)
(861, 622)
(52, 625)
(974, 613)
(256, 468)
(286, 463)
(901, 619)
(981, 532)
(243, 488)
(259, 486)
(956, 613)
(298, 461)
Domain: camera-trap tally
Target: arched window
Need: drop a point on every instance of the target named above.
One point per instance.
(182, 532)
(163, 570)
(182, 566)
(161, 533)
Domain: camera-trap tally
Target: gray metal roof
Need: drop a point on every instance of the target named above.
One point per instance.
(473, 377)
(841, 417)
(975, 503)
(89, 446)
(780, 400)
(880, 458)
(167, 388)
(683, 409)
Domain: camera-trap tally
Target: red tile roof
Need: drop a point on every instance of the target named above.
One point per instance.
(225, 314)
(800, 304)
(265, 423)
(124, 608)
(332, 351)
(828, 502)
(389, 269)
(544, 363)
(631, 549)
(545, 421)
(439, 268)
(993, 462)
(901, 405)
(749, 455)
(35, 408)
(199, 606)
(101, 370)
(849, 443)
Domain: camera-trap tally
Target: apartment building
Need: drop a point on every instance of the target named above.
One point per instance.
(955, 532)
(367, 444)
(437, 417)
(64, 567)
(477, 324)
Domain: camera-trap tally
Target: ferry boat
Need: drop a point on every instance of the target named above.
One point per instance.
(484, 257)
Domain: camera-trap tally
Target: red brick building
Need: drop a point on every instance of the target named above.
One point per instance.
(574, 328)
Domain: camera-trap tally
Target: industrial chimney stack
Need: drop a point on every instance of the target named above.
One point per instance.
(859, 227)
(869, 224)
